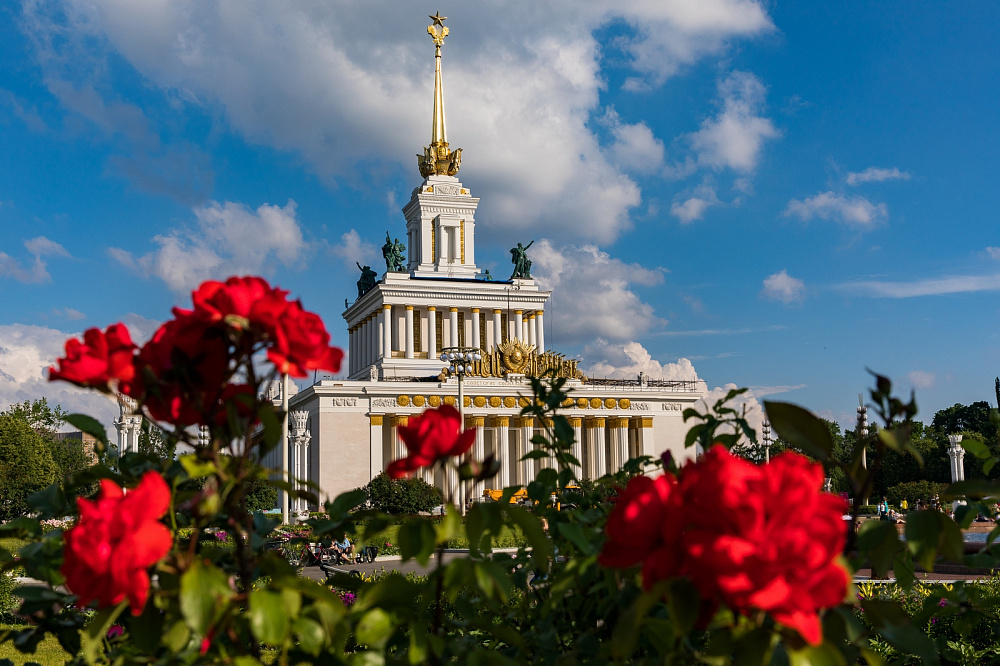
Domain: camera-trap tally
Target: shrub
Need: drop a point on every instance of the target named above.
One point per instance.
(913, 491)
(8, 602)
(402, 496)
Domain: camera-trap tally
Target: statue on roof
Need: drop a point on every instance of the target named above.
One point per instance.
(522, 265)
(367, 280)
(393, 253)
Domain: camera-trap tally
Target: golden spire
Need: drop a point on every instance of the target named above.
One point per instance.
(437, 158)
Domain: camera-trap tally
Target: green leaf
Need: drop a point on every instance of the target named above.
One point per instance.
(345, 502)
(416, 540)
(902, 566)
(450, 526)
(931, 532)
(800, 429)
(475, 524)
(268, 617)
(976, 448)
(684, 603)
(271, 427)
(310, 635)
(374, 628)
(49, 502)
(541, 549)
(972, 488)
(196, 467)
(204, 588)
(574, 534)
(823, 654)
(880, 541)
(626, 631)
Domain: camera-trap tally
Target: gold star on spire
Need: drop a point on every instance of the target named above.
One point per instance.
(438, 19)
(437, 158)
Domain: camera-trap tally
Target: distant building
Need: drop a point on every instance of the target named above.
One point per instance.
(89, 441)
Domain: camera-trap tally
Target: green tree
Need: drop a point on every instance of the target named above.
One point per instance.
(402, 496)
(26, 465)
(152, 442)
(967, 418)
(69, 454)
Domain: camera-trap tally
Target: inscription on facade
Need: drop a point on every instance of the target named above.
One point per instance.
(344, 402)
(672, 407)
(383, 402)
(639, 406)
(449, 190)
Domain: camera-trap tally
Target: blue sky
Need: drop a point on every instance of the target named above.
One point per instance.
(773, 195)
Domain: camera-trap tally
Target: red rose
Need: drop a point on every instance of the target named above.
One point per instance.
(302, 344)
(117, 538)
(100, 359)
(241, 302)
(434, 435)
(752, 537)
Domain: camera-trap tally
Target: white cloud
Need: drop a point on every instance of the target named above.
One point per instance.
(876, 175)
(955, 284)
(993, 252)
(37, 271)
(26, 352)
(352, 249)
(856, 211)
(783, 287)
(69, 313)
(746, 404)
(227, 239)
(592, 295)
(522, 85)
(635, 148)
(735, 137)
(626, 360)
(921, 379)
(694, 207)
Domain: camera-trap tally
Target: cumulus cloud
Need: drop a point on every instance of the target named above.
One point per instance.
(352, 249)
(34, 271)
(593, 295)
(226, 239)
(746, 404)
(876, 175)
(694, 207)
(522, 86)
(855, 211)
(735, 137)
(783, 287)
(993, 252)
(626, 360)
(634, 148)
(921, 380)
(26, 352)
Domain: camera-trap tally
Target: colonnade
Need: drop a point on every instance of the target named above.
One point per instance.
(405, 331)
(601, 445)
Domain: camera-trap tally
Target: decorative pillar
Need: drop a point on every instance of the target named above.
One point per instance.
(300, 436)
(531, 330)
(408, 346)
(375, 445)
(619, 442)
(478, 448)
(518, 325)
(540, 330)
(433, 344)
(643, 435)
(497, 327)
(577, 424)
(956, 454)
(475, 328)
(527, 426)
(387, 331)
(500, 428)
(544, 463)
(454, 327)
(595, 435)
(398, 448)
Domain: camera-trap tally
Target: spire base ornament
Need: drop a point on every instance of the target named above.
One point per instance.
(438, 159)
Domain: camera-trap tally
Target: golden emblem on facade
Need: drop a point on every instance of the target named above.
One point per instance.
(434, 401)
(403, 400)
(418, 401)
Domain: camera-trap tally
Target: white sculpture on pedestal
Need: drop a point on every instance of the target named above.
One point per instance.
(299, 453)
(129, 425)
(956, 454)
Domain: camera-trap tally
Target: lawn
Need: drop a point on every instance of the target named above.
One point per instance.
(49, 652)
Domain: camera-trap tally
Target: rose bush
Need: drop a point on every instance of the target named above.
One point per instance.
(738, 561)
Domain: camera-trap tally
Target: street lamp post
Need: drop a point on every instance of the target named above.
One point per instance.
(460, 360)
(863, 434)
(766, 428)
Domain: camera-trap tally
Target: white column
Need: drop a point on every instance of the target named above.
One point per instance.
(375, 445)
(475, 328)
(619, 441)
(518, 325)
(501, 428)
(478, 449)
(595, 433)
(527, 425)
(433, 344)
(531, 330)
(453, 342)
(540, 330)
(408, 346)
(387, 331)
(956, 455)
(577, 424)
(398, 448)
(497, 327)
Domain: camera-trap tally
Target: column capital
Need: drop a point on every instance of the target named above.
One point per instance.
(387, 306)
(475, 310)
(531, 315)
(400, 420)
(497, 421)
(452, 309)
(475, 421)
(431, 308)
(497, 311)
(410, 308)
(539, 312)
(595, 421)
(575, 421)
(524, 422)
(376, 419)
(517, 312)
